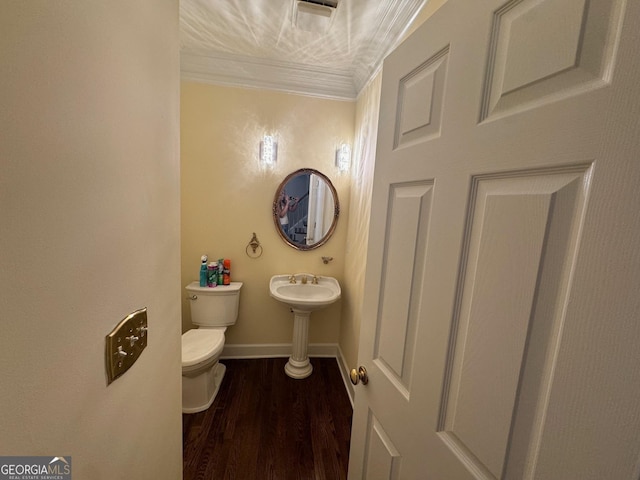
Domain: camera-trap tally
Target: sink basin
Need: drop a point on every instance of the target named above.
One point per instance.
(305, 296)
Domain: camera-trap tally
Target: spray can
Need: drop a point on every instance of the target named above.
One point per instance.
(226, 272)
(220, 271)
(212, 277)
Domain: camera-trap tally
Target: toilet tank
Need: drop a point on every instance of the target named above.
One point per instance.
(214, 306)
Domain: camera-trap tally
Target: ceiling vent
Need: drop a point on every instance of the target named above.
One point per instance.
(314, 15)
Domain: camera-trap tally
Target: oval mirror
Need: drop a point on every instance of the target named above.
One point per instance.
(306, 209)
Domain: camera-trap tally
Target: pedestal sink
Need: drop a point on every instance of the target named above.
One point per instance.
(304, 293)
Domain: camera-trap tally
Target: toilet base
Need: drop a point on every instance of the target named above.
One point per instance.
(198, 393)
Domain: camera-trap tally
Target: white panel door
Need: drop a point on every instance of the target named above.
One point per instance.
(501, 329)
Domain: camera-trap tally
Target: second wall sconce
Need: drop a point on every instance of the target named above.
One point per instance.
(343, 157)
(268, 151)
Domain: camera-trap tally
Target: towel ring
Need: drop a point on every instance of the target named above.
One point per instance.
(254, 245)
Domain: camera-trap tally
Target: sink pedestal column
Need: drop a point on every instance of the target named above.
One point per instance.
(298, 365)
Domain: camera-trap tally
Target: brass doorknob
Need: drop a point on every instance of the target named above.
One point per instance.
(359, 375)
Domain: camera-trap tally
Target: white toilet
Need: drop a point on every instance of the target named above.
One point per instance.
(212, 310)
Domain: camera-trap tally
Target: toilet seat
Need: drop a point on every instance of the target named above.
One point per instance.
(201, 344)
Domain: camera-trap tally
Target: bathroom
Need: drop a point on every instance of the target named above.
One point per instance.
(221, 132)
(101, 218)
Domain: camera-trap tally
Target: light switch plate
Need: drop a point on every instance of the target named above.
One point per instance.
(125, 343)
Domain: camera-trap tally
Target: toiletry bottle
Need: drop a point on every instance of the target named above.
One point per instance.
(226, 274)
(212, 271)
(220, 271)
(203, 271)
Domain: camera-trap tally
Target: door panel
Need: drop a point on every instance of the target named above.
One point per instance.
(545, 50)
(500, 319)
(420, 101)
(405, 250)
(520, 245)
(382, 458)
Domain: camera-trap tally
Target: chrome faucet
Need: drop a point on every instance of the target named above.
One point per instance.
(304, 279)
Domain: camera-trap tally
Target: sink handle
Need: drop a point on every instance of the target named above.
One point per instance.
(314, 280)
(292, 279)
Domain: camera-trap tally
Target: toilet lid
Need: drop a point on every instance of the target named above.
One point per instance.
(199, 344)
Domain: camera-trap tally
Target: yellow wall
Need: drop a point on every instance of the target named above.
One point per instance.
(226, 196)
(367, 109)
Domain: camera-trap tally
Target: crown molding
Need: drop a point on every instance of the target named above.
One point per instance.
(236, 70)
(392, 23)
(220, 68)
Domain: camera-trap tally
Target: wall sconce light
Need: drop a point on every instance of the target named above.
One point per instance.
(343, 157)
(268, 151)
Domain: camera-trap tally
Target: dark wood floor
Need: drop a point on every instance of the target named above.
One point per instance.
(264, 425)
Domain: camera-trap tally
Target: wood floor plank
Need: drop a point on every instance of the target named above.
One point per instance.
(265, 425)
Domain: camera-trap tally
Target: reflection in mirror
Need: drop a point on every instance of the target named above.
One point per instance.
(306, 209)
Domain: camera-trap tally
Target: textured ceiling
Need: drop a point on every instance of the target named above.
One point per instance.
(255, 43)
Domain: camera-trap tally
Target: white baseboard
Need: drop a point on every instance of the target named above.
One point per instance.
(273, 350)
(344, 371)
